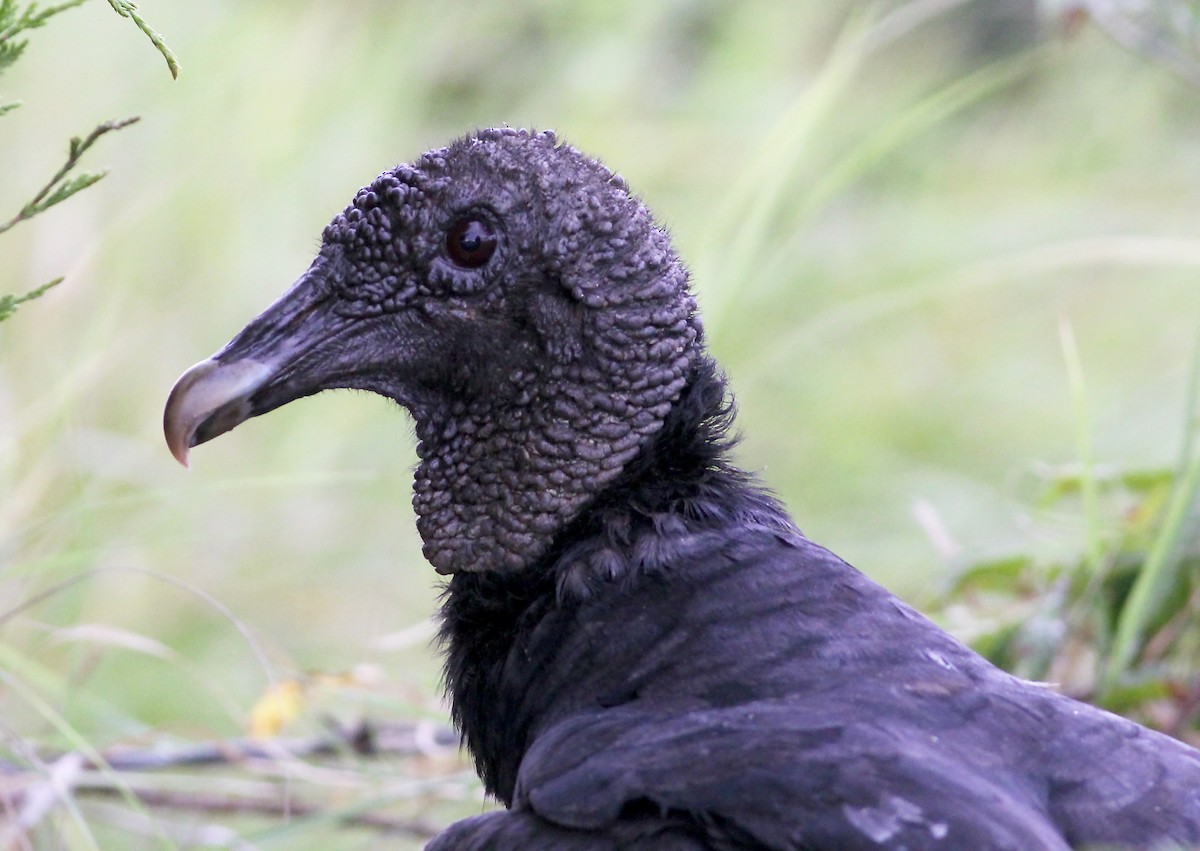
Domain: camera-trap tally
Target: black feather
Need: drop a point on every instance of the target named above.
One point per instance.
(642, 650)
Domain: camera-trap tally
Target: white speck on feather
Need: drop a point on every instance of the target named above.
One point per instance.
(934, 656)
(882, 822)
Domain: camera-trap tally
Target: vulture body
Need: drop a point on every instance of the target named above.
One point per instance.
(642, 650)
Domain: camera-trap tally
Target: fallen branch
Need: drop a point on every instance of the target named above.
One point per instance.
(421, 738)
(29, 793)
(278, 805)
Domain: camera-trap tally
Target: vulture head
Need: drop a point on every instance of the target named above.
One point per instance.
(513, 296)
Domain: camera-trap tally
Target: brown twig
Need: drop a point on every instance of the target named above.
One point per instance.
(365, 739)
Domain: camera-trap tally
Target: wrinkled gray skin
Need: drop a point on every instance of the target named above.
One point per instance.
(642, 651)
(532, 380)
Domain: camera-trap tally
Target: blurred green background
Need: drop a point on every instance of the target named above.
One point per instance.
(889, 221)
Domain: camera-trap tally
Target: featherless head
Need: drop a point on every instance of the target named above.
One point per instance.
(516, 299)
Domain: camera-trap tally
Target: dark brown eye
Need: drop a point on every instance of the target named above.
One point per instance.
(470, 243)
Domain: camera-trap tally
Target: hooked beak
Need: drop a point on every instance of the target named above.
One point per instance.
(210, 399)
(291, 350)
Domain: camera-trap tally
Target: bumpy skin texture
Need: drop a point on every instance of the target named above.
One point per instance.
(642, 651)
(578, 335)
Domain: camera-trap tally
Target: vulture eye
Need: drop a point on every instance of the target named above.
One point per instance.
(470, 243)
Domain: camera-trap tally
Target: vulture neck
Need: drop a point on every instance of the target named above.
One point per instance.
(493, 623)
(503, 473)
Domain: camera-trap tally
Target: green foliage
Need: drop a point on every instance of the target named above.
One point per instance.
(13, 22)
(59, 188)
(1168, 576)
(127, 9)
(10, 303)
(884, 234)
(1119, 624)
(63, 184)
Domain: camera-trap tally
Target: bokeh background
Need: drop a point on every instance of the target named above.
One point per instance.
(894, 220)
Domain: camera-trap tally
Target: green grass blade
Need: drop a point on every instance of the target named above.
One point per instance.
(1012, 269)
(1160, 572)
(760, 192)
(763, 192)
(1088, 488)
(79, 743)
(923, 116)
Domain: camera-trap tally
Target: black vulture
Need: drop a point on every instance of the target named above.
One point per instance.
(642, 650)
